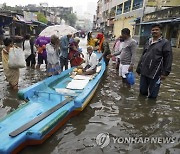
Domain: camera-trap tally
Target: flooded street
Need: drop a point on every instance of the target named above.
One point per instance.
(113, 109)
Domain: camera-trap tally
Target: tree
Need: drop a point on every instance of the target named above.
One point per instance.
(5, 7)
(41, 18)
(71, 19)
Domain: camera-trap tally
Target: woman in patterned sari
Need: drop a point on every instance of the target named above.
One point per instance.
(12, 75)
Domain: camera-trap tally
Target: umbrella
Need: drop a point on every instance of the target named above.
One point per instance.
(58, 30)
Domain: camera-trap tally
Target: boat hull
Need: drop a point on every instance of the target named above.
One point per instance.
(41, 97)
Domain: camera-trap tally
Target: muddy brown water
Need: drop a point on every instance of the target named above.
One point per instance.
(115, 110)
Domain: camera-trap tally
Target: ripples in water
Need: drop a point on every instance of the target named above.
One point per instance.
(114, 109)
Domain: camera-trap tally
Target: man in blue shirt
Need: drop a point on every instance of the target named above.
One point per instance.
(64, 45)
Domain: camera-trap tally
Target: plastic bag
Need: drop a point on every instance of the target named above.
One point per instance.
(64, 91)
(130, 78)
(16, 58)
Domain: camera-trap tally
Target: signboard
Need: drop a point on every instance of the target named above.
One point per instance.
(161, 3)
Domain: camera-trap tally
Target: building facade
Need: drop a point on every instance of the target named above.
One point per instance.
(127, 12)
(169, 19)
(138, 16)
(24, 18)
(114, 15)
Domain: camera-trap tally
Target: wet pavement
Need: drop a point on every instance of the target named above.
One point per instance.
(114, 109)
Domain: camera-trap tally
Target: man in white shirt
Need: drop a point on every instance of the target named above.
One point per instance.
(29, 51)
(53, 65)
(91, 62)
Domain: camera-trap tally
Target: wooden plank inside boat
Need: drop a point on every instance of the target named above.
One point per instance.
(39, 118)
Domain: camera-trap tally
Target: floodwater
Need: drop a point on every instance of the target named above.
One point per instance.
(114, 109)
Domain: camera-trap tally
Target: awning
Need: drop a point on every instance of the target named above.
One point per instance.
(18, 22)
(34, 25)
(21, 18)
(161, 21)
(39, 23)
(156, 22)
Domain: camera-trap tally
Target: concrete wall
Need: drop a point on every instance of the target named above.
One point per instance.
(118, 25)
(123, 23)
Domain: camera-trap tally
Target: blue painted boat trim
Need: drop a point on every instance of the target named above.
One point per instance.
(41, 97)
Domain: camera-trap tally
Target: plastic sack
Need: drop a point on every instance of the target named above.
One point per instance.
(64, 91)
(16, 58)
(130, 77)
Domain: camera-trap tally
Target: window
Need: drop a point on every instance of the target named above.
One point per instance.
(112, 12)
(137, 4)
(119, 9)
(127, 6)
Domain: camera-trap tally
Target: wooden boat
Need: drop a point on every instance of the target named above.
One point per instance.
(49, 105)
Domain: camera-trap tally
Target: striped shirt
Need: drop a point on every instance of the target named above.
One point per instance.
(128, 52)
